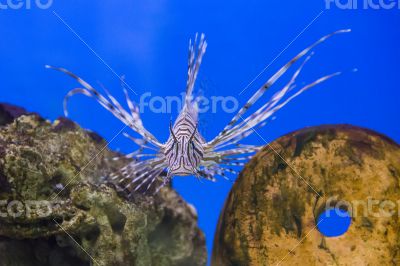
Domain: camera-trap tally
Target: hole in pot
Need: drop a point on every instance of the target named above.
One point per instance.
(333, 222)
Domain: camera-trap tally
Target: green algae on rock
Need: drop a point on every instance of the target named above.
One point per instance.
(270, 215)
(51, 174)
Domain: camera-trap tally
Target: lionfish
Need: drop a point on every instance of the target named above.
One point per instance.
(186, 152)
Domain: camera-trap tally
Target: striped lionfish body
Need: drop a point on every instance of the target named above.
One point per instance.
(184, 149)
(186, 152)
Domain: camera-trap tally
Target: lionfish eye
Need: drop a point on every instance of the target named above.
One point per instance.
(192, 136)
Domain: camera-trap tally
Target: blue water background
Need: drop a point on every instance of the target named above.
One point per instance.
(147, 41)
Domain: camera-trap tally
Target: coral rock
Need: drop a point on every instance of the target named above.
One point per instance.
(54, 209)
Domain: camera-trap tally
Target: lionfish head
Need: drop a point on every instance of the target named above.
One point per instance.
(183, 151)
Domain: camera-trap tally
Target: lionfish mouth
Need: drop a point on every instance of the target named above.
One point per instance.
(181, 173)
